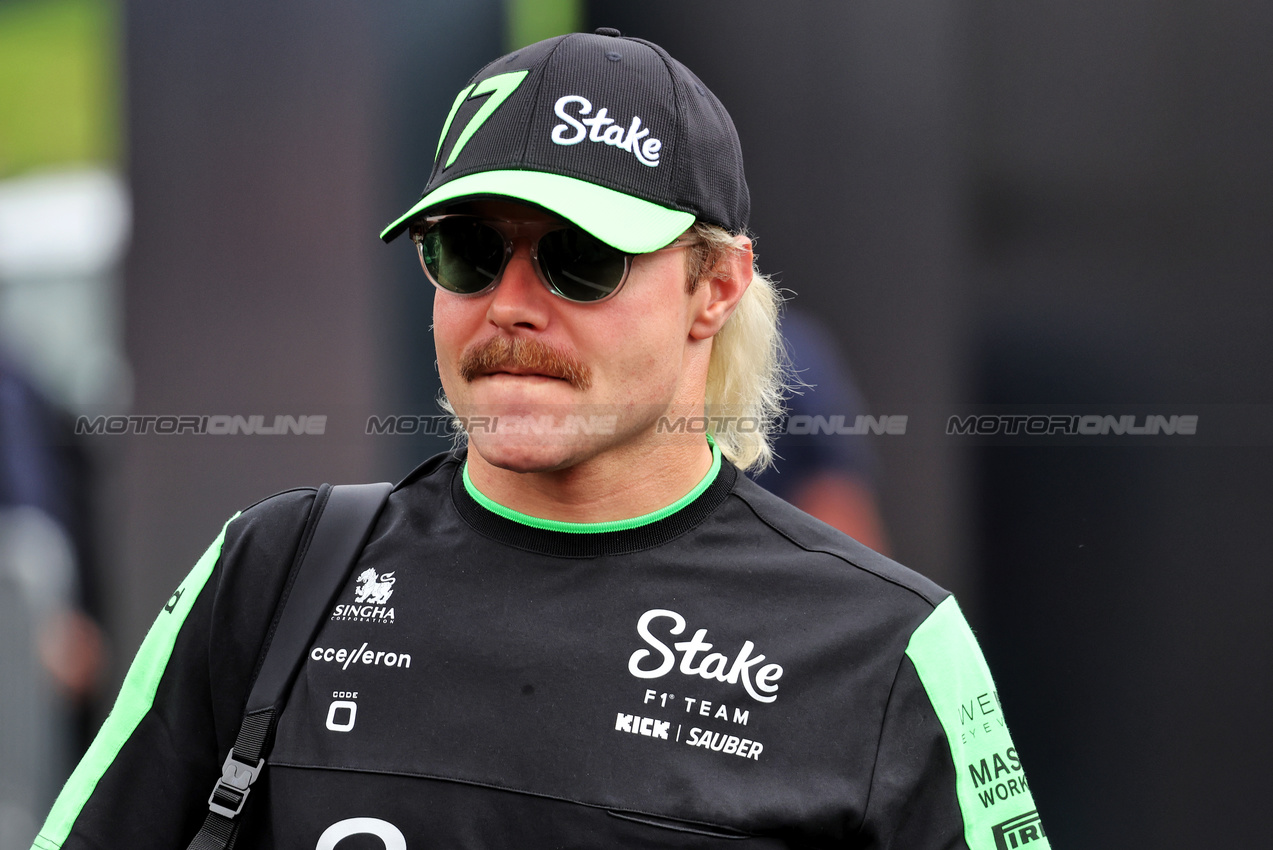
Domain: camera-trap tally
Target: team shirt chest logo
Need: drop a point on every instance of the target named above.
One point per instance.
(371, 599)
(761, 682)
(373, 588)
(602, 128)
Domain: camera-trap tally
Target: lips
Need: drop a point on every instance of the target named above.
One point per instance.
(515, 372)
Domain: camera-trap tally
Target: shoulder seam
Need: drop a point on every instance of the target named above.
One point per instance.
(760, 516)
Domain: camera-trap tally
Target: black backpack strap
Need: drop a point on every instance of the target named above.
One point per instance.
(338, 527)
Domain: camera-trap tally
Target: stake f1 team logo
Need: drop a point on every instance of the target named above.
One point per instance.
(761, 684)
(1018, 832)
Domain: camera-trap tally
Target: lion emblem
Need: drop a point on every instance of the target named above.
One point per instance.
(373, 588)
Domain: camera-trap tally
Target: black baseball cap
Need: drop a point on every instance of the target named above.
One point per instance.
(608, 132)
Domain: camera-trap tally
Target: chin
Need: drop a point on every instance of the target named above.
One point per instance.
(524, 454)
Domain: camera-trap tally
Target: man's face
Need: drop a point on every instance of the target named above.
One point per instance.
(545, 383)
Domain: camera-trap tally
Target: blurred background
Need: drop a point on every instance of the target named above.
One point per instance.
(1052, 208)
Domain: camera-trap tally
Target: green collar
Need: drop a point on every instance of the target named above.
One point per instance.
(597, 527)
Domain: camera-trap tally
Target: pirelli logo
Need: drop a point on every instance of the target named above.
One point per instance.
(1018, 832)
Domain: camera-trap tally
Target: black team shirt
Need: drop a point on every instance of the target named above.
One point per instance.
(728, 672)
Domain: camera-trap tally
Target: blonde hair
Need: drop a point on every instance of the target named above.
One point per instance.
(749, 373)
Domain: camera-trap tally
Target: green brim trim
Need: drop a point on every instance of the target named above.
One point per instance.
(595, 527)
(630, 224)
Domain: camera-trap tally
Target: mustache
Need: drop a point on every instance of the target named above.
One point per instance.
(500, 353)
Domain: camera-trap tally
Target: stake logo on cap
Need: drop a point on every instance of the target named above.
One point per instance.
(610, 133)
(645, 150)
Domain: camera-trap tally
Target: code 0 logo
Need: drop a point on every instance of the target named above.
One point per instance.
(1018, 832)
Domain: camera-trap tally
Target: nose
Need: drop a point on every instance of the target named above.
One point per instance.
(520, 300)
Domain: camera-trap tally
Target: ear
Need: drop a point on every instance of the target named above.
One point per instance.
(721, 290)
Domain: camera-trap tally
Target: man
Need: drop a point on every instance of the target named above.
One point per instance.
(587, 629)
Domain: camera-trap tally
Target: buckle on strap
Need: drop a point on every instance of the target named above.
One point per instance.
(231, 790)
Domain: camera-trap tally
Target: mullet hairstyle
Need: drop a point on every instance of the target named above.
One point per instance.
(749, 374)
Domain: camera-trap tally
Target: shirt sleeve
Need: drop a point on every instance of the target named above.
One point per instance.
(144, 781)
(947, 773)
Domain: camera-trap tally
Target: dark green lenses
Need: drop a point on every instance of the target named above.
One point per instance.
(578, 266)
(466, 255)
(462, 254)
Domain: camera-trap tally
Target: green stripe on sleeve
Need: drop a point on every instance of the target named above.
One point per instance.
(135, 699)
(996, 803)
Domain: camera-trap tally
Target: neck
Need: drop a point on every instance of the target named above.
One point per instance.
(619, 484)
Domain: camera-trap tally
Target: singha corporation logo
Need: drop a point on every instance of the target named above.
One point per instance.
(370, 599)
(373, 588)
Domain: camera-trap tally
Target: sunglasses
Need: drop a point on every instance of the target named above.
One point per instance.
(467, 255)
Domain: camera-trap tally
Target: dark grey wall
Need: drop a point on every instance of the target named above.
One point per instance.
(268, 144)
(1119, 207)
(252, 161)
